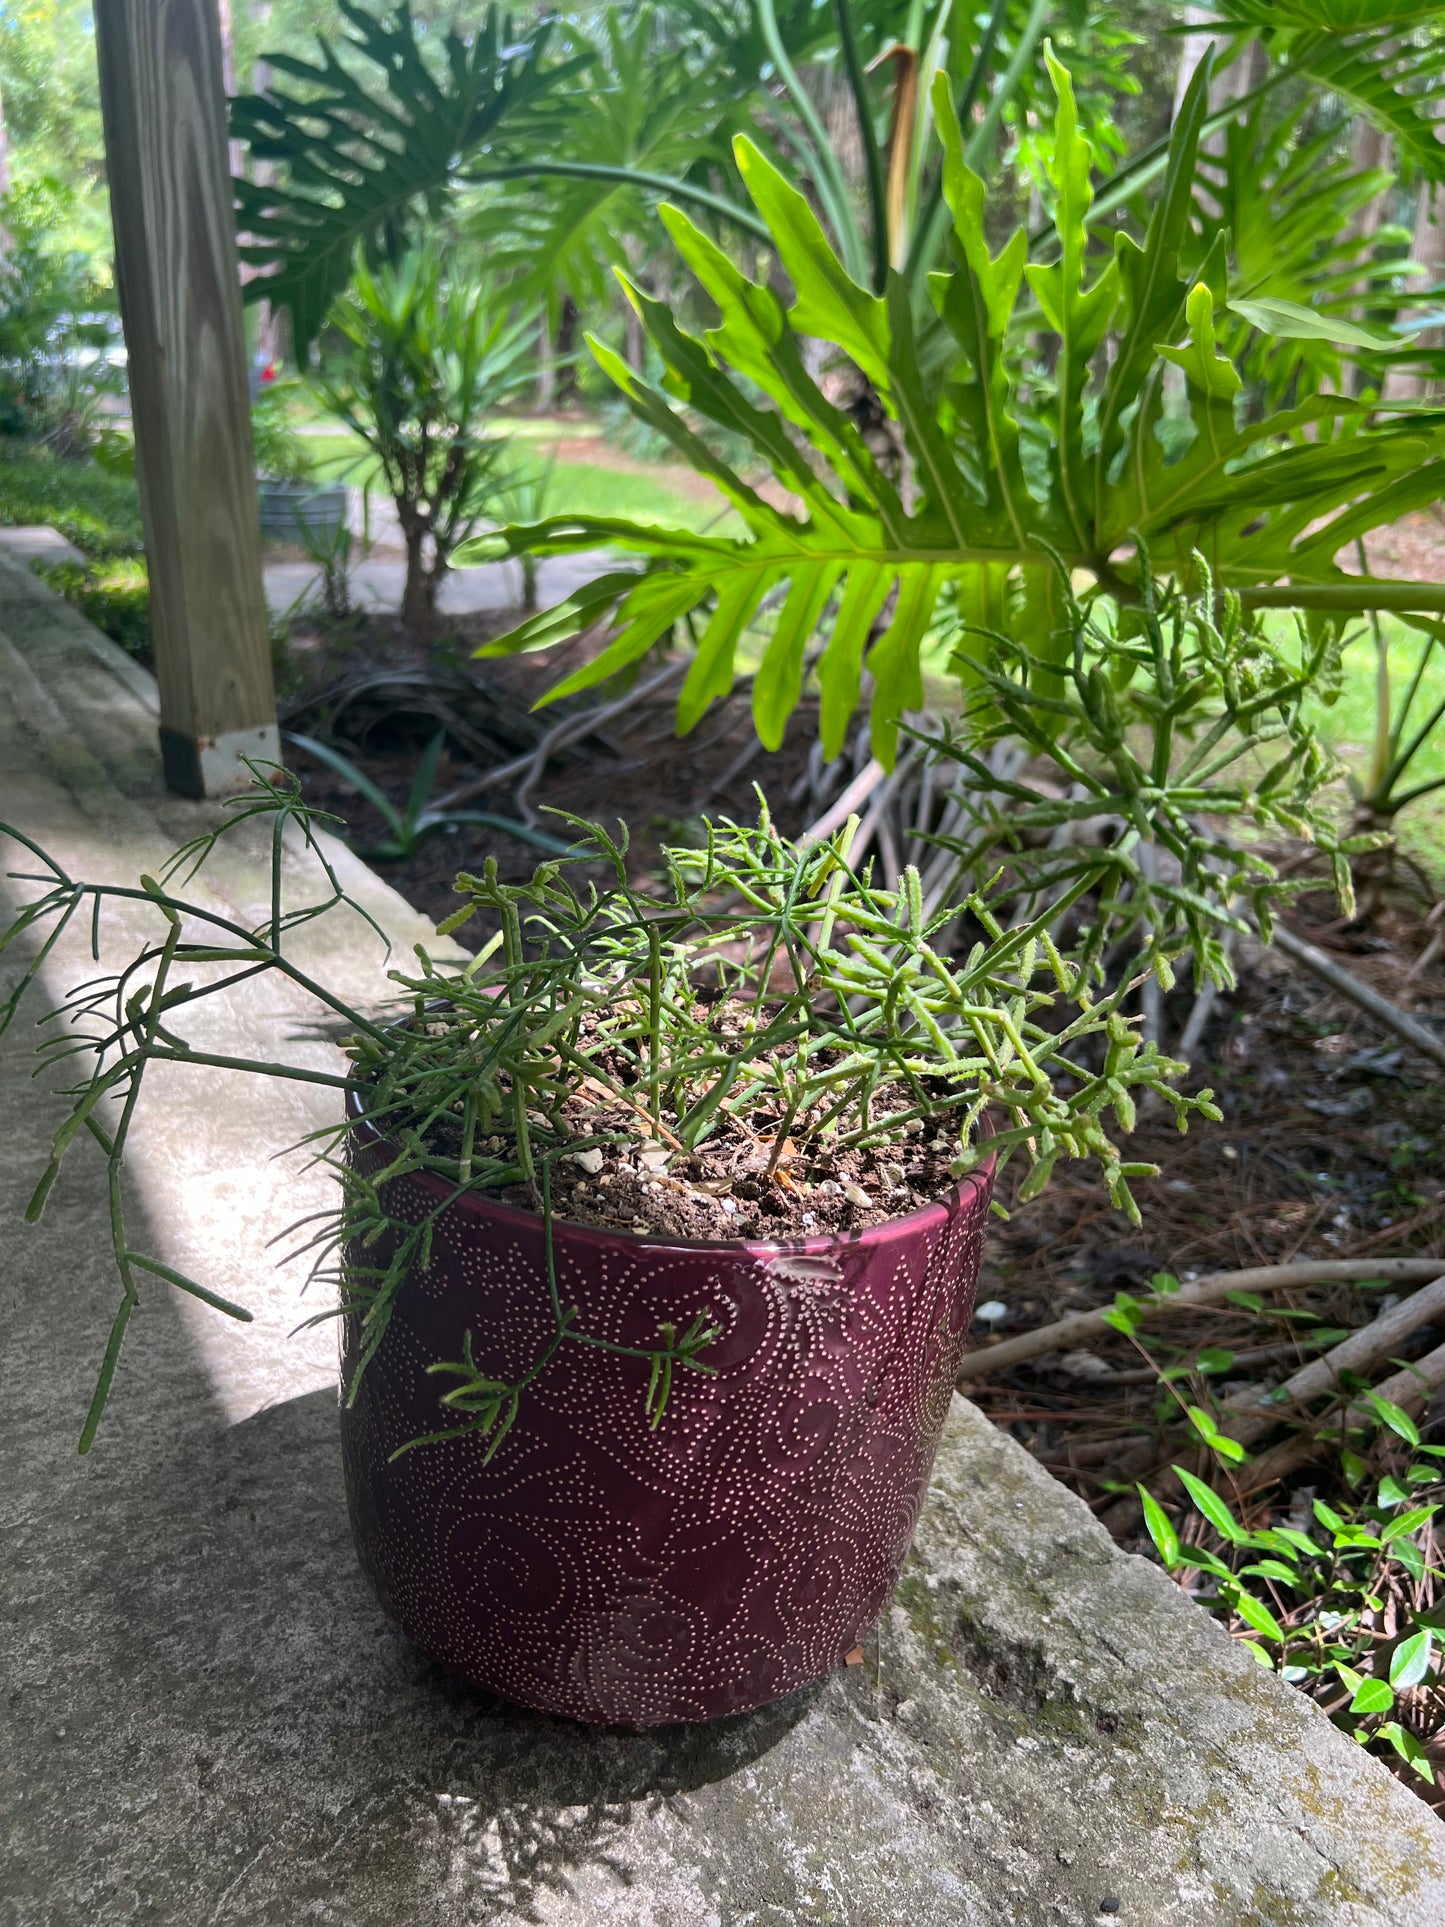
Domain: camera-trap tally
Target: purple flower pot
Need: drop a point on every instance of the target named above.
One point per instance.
(611, 1572)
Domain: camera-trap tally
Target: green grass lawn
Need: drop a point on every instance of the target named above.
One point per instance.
(660, 496)
(1348, 727)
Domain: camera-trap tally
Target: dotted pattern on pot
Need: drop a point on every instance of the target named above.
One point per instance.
(603, 1570)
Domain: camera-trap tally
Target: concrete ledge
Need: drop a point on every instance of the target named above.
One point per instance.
(38, 542)
(208, 1722)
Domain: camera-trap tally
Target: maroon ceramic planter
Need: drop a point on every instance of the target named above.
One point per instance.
(603, 1570)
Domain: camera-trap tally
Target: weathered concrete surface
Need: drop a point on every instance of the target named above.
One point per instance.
(378, 581)
(38, 542)
(208, 1723)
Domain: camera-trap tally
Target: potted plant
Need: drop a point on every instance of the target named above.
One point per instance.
(658, 1222)
(294, 507)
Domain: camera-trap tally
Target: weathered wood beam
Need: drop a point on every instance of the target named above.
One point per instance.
(164, 110)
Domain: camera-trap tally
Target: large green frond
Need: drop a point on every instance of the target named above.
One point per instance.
(353, 146)
(1104, 420)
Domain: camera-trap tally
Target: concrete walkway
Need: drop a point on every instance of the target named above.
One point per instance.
(377, 584)
(209, 1723)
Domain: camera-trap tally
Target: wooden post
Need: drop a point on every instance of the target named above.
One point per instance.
(164, 109)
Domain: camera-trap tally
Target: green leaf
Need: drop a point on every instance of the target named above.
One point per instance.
(710, 675)
(1204, 1561)
(779, 680)
(1408, 1748)
(1080, 314)
(1291, 322)
(1394, 1416)
(830, 304)
(1257, 1616)
(1214, 1359)
(840, 669)
(647, 612)
(1125, 1315)
(363, 143)
(1213, 1507)
(351, 774)
(1150, 276)
(1217, 1441)
(1271, 1569)
(1407, 1523)
(894, 659)
(1372, 1696)
(1410, 1662)
(1204, 367)
(1161, 1528)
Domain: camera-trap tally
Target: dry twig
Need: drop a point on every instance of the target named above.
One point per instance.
(1066, 1334)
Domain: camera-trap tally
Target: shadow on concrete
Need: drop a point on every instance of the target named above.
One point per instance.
(207, 1718)
(228, 1730)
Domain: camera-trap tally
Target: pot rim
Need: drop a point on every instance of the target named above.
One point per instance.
(477, 1204)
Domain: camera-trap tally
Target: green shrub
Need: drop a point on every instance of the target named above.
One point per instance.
(114, 595)
(98, 511)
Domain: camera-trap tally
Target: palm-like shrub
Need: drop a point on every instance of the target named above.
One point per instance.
(418, 362)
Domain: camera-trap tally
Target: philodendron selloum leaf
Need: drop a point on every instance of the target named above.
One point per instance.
(347, 162)
(977, 482)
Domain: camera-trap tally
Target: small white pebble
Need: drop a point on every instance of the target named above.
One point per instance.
(1230, 1151)
(653, 1157)
(729, 1205)
(606, 1178)
(827, 1189)
(939, 1144)
(588, 1161)
(855, 1194)
(992, 1312)
(808, 1218)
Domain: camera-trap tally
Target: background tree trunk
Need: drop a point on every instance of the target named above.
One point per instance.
(1230, 83)
(546, 390)
(1427, 250)
(4, 160)
(419, 597)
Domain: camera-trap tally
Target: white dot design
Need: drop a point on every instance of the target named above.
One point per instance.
(602, 1569)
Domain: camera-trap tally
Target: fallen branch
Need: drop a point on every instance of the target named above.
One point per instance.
(571, 729)
(1252, 1414)
(847, 804)
(1069, 1333)
(1360, 994)
(1409, 1389)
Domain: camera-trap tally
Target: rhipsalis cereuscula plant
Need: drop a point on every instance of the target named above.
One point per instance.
(770, 1002)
